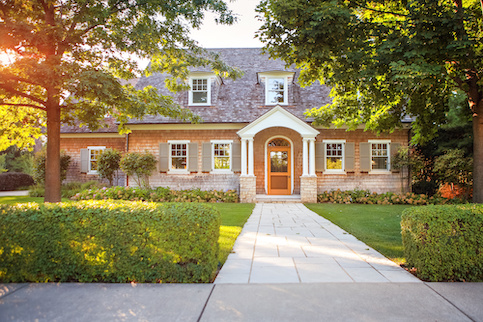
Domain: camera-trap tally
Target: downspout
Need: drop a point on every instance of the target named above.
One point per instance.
(127, 151)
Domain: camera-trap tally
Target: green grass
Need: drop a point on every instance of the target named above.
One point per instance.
(376, 225)
(233, 217)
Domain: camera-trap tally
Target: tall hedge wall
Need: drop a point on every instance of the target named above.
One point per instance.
(444, 243)
(106, 241)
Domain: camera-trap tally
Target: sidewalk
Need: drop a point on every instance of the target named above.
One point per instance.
(14, 193)
(288, 264)
(288, 243)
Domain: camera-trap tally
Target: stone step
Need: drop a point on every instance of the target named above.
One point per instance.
(279, 199)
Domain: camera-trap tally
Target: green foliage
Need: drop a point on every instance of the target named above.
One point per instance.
(3, 163)
(389, 198)
(159, 194)
(139, 166)
(108, 162)
(39, 166)
(454, 167)
(444, 243)
(382, 59)
(14, 180)
(105, 241)
(69, 189)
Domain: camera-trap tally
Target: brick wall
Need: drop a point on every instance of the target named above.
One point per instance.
(140, 141)
(73, 146)
(357, 179)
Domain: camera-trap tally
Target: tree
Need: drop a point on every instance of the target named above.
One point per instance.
(108, 163)
(385, 60)
(140, 166)
(68, 56)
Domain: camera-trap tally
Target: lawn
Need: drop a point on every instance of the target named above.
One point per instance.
(233, 217)
(376, 225)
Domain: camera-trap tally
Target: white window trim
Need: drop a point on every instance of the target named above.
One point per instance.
(208, 94)
(179, 171)
(90, 148)
(334, 171)
(221, 171)
(285, 90)
(388, 169)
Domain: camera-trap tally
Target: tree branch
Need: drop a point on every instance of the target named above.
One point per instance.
(17, 79)
(25, 105)
(24, 95)
(384, 12)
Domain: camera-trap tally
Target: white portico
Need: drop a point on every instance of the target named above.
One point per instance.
(279, 178)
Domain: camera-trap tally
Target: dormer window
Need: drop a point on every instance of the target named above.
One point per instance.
(276, 86)
(200, 93)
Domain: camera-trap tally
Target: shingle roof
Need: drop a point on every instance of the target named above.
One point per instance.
(241, 100)
(232, 101)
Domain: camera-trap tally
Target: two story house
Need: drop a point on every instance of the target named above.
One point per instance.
(254, 138)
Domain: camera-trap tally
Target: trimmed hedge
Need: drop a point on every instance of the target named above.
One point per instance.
(13, 180)
(160, 194)
(106, 241)
(444, 243)
(388, 198)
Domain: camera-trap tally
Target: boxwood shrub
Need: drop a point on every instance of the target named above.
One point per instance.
(107, 241)
(159, 194)
(444, 243)
(14, 180)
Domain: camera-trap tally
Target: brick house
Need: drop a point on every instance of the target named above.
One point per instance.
(254, 138)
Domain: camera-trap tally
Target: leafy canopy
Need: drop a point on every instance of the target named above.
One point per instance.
(383, 59)
(73, 53)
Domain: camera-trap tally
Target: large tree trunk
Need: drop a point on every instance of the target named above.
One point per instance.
(52, 165)
(478, 153)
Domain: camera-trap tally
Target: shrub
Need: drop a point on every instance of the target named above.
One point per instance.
(389, 198)
(444, 243)
(106, 241)
(159, 194)
(140, 166)
(39, 166)
(68, 190)
(108, 163)
(14, 180)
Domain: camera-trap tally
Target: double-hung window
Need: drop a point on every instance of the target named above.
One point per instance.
(178, 156)
(221, 152)
(380, 155)
(94, 152)
(200, 92)
(334, 156)
(276, 90)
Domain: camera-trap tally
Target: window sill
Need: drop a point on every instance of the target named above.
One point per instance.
(334, 172)
(221, 172)
(379, 172)
(92, 173)
(178, 172)
(200, 105)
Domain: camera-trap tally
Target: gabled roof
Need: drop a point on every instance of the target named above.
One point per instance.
(278, 116)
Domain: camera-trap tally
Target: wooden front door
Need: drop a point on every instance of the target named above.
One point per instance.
(279, 167)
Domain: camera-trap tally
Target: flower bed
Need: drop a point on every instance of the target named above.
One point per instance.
(389, 198)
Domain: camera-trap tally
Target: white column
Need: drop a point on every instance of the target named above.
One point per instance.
(243, 157)
(250, 157)
(305, 160)
(312, 157)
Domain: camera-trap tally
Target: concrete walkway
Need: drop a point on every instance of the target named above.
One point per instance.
(288, 243)
(14, 193)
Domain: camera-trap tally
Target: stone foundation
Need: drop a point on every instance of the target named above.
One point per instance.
(248, 189)
(308, 189)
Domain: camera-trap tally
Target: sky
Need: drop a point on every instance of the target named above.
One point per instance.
(238, 35)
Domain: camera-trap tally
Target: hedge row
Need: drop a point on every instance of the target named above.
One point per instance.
(14, 180)
(444, 243)
(157, 195)
(106, 241)
(389, 198)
